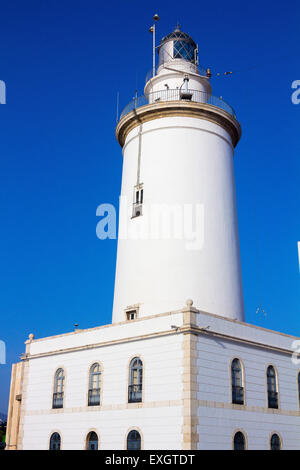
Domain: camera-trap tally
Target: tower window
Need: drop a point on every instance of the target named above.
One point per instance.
(138, 200)
(184, 50)
(131, 314)
(139, 196)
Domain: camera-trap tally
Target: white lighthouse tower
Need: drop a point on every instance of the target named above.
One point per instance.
(178, 230)
(175, 370)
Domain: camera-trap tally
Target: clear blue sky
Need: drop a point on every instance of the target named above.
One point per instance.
(63, 63)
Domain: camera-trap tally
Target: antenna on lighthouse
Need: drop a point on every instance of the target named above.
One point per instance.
(152, 30)
(117, 114)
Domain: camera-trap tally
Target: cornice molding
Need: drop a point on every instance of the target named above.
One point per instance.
(174, 109)
(185, 329)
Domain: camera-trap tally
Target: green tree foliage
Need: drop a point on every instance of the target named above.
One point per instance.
(2, 431)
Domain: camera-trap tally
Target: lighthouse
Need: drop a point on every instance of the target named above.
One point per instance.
(178, 143)
(178, 368)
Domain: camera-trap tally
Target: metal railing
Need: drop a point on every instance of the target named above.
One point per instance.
(177, 95)
(237, 395)
(135, 393)
(58, 400)
(94, 397)
(273, 400)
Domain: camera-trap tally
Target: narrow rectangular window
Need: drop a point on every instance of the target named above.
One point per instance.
(131, 314)
(138, 198)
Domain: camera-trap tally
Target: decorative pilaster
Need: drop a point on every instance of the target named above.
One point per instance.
(190, 437)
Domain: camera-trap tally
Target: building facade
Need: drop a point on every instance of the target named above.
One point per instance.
(187, 397)
(168, 373)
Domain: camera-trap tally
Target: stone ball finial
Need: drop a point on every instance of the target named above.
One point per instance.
(189, 302)
(31, 337)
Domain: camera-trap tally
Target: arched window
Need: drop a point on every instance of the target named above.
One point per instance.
(299, 388)
(92, 441)
(55, 441)
(272, 388)
(134, 440)
(58, 392)
(135, 381)
(239, 441)
(237, 382)
(94, 385)
(275, 443)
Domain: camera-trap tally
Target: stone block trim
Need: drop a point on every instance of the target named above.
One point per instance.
(190, 437)
(15, 406)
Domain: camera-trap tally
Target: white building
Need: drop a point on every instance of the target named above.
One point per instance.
(168, 373)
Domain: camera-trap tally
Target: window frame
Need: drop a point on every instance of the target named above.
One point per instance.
(236, 358)
(235, 432)
(298, 388)
(275, 433)
(138, 200)
(131, 313)
(136, 429)
(89, 388)
(139, 384)
(271, 391)
(50, 438)
(87, 439)
(56, 387)
(131, 309)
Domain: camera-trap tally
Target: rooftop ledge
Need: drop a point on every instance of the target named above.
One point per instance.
(186, 320)
(168, 103)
